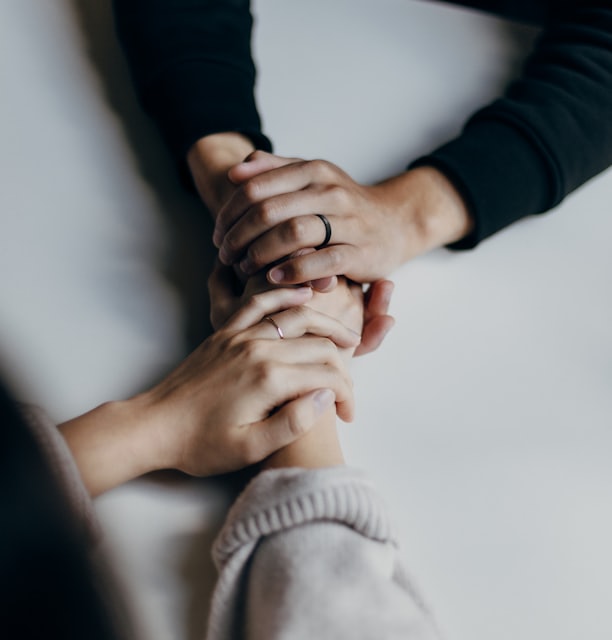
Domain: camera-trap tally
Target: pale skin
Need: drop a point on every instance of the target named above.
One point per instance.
(320, 446)
(264, 209)
(210, 161)
(241, 396)
(189, 421)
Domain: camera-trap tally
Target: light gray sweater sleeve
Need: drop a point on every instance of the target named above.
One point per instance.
(311, 554)
(64, 467)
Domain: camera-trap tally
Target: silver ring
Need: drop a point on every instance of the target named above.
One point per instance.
(281, 335)
(328, 230)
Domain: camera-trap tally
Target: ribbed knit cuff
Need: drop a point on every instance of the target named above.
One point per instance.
(280, 499)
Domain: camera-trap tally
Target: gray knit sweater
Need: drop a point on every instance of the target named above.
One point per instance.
(303, 554)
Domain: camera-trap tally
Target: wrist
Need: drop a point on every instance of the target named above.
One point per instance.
(209, 160)
(318, 448)
(432, 212)
(113, 444)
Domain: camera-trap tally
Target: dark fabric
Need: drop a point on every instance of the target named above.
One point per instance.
(528, 12)
(549, 133)
(191, 65)
(48, 585)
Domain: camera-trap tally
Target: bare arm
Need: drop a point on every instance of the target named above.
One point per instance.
(241, 395)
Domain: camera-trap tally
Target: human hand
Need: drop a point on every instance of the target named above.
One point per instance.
(228, 293)
(245, 393)
(209, 160)
(242, 394)
(211, 157)
(374, 228)
(376, 319)
(320, 447)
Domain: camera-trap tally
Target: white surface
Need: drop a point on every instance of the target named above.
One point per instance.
(485, 418)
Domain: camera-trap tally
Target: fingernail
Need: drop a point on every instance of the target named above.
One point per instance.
(217, 238)
(246, 266)
(276, 275)
(323, 400)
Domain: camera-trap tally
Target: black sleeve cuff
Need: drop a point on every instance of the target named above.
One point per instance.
(186, 110)
(499, 173)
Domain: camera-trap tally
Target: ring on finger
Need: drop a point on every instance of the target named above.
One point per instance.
(271, 320)
(328, 230)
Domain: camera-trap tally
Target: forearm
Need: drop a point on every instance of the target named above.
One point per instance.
(209, 160)
(113, 444)
(549, 133)
(320, 447)
(214, 412)
(430, 211)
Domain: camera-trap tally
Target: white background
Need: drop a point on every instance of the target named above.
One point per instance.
(485, 419)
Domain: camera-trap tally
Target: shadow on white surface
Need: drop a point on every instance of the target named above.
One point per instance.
(485, 418)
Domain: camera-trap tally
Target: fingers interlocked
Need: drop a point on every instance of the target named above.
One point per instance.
(270, 319)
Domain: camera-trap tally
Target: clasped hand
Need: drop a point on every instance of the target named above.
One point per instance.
(272, 214)
(245, 392)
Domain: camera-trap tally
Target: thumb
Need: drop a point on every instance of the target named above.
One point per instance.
(291, 421)
(256, 163)
(373, 333)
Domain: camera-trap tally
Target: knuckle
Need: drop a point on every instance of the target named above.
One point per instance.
(233, 341)
(258, 154)
(339, 196)
(231, 241)
(266, 373)
(255, 303)
(256, 254)
(321, 169)
(334, 257)
(295, 230)
(254, 351)
(296, 424)
(252, 190)
(266, 213)
(301, 314)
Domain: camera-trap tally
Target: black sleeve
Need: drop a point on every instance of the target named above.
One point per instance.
(547, 135)
(191, 66)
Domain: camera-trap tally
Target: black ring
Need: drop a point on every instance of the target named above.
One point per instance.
(328, 231)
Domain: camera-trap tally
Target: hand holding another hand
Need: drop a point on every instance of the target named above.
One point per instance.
(272, 214)
(242, 394)
(366, 313)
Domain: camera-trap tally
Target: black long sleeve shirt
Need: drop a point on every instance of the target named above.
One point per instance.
(548, 134)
